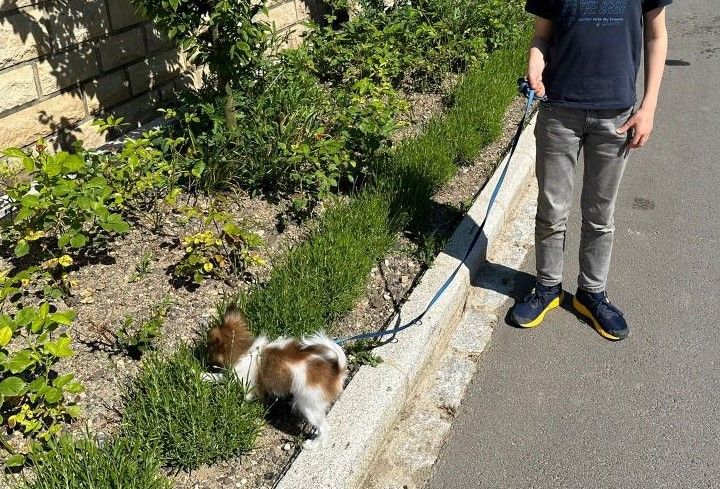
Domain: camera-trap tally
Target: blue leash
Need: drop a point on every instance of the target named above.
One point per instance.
(524, 88)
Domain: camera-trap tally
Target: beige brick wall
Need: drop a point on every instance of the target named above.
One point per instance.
(63, 62)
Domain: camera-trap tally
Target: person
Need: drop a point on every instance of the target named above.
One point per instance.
(585, 57)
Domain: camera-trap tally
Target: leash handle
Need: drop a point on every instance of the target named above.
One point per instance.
(525, 89)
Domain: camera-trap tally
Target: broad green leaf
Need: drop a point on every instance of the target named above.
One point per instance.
(14, 153)
(64, 239)
(198, 169)
(6, 321)
(38, 385)
(22, 248)
(25, 316)
(5, 335)
(53, 166)
(65, 318)
(74, 411)
(78, 240)
(12, 386)
(43, 310)
(60, 347)
(23, 214)
(74, 163)
(20, 361)
(62, 380)
(17, 460)
(31, 201)
(96, 183)
(74, 387)
(115, 223)
(53, 395)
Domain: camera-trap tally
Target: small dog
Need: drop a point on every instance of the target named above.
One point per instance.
(311, 370)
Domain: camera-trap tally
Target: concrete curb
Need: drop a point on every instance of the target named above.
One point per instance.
(375, 397)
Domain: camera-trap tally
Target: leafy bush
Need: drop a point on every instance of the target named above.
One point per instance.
(227, 36)
(32, 394)
(83, 464)
(416, 43)
(224, 247)
(66, 203)
(189, 420)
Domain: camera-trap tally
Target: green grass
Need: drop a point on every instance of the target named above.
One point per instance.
(190, 421)
(82, 464)
(420, 166)
(322, 278)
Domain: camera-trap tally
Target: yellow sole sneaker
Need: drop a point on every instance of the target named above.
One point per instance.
(553, 304)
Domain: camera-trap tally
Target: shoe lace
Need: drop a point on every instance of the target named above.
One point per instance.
(606, 304)
(536, 298)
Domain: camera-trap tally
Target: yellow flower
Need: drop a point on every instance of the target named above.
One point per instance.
(208, 267)
(65, 260)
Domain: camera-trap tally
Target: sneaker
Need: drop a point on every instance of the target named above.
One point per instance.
(607, 319)
(531, 311)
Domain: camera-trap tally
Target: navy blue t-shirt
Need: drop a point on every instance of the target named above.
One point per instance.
(594, 56)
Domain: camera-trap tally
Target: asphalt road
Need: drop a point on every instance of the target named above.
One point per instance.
(560, 407)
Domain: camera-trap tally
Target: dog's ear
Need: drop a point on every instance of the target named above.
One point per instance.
(234, 318)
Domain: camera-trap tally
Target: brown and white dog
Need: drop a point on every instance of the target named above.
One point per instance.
(311, 370)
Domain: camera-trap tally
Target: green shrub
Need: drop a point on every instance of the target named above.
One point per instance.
(33, 395)
(222, 248)
(82, 464)
(227, 36)
(190, 421)
(66, 203)
(322, 278)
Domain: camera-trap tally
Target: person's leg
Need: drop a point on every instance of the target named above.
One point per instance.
(605, 154)
(605, 158)
(559, 136)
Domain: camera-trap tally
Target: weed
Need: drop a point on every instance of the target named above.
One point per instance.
(361, 353)
(143, 267)
(431, 245)
(135, 337)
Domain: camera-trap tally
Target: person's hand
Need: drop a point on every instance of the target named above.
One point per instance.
(535, 71)
(641, 124)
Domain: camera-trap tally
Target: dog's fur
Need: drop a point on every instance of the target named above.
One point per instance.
(311, 370)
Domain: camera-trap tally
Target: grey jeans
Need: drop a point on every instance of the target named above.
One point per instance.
(561, 135)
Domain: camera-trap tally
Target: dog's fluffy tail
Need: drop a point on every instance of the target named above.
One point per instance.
(332, 351)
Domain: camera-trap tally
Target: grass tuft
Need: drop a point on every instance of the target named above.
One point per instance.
(322, 278)
(190, 421)
(82, 464)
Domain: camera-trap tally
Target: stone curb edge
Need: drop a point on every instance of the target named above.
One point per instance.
(374, 399)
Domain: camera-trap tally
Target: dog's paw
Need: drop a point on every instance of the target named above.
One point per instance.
(314, 444)
(210, 377)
